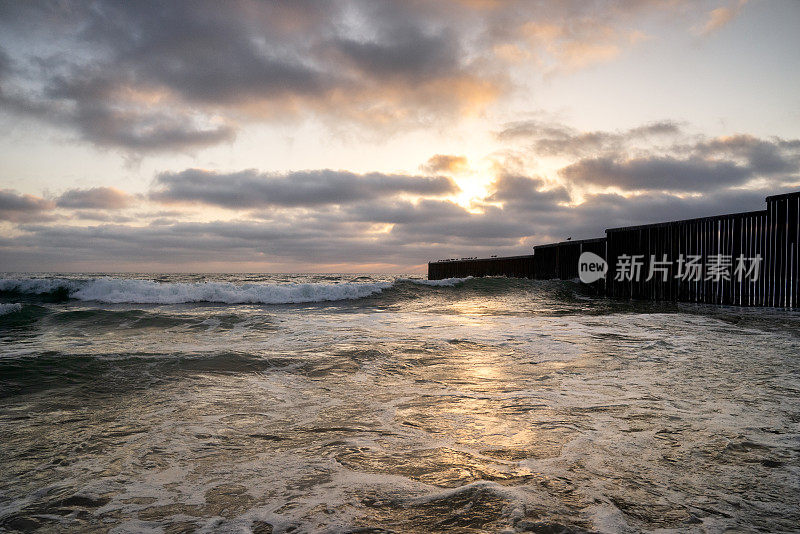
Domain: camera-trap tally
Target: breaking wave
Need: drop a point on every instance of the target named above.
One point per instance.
(132, 291)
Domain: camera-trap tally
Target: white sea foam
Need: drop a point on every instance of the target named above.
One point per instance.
(115, 290)
(9, 308)
(37, 285)
(119, 290)
(149, 292)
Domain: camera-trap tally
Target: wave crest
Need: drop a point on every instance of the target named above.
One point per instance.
(117, 291)
(134, 291)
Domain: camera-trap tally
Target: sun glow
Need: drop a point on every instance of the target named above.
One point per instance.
(475, 181)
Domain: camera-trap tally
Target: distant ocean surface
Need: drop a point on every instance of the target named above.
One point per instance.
(374, 403)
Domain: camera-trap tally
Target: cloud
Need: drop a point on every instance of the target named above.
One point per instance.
(764, 156)
(720, 17)
(16, 207)
(660, 173)
(178, 76)
(251, 189)
(658, 156)
(573, 46)
(395, 233)
(27, 208)
(446, 163)
(533, 128)
(407, 53)
(110, 112)
(141, 131)
(105, 198)
(554, 139)
(148, 77)
(5, 64)
(525, 192)
(399, 211)
(563, 37)
(337, 220)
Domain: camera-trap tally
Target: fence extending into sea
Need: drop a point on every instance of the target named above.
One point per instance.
(745, 259)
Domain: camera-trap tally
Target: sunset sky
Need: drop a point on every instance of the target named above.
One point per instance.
(347, 136)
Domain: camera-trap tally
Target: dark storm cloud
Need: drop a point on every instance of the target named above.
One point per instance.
(15, 207)
(106, 198)
(251, 189)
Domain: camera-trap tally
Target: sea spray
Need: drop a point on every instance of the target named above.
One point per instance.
(135, 291)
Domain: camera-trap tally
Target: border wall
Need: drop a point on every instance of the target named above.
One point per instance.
(772, 235)
(557, 260)
(560, 260)
(512, 267)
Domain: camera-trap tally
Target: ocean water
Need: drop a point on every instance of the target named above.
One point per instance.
(372, 403)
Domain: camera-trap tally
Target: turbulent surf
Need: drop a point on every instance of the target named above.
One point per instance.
(372, 403)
